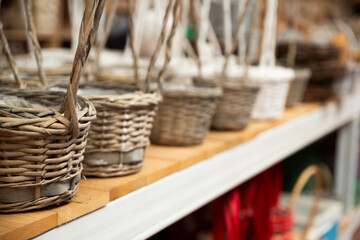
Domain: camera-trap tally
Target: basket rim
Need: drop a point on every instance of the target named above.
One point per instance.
(48, 111)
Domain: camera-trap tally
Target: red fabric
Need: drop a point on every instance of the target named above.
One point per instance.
(226, 221)
(253, 221)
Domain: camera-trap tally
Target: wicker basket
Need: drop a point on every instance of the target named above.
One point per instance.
(41, 160)
(298, 87)
(42, 148)
(120, 134)
(184, 115)
(233, 110)
(274, 86)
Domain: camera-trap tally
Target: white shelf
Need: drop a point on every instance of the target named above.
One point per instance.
(146, 211)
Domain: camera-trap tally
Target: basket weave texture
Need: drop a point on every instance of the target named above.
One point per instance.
(271, 100)
(233, 110)
(119, 135)
(184, 116)
(41, 161)
(298, 87)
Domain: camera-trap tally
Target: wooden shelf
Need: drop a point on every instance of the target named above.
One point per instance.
(177, 180)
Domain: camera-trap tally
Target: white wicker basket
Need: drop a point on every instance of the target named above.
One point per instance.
(274, 85)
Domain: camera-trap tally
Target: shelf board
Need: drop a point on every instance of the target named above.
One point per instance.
(178, 180)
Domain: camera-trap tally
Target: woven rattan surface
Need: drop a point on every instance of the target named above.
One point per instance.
(184, 115)
(233, 110)
(298, 87)
(318, 92)
(43, 133)
(119, 136)
(123, 124)
(309, 51)
(327, 70)
(270, 103)
(41, 161)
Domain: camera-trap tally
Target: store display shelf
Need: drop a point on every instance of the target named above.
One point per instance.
(178, 180)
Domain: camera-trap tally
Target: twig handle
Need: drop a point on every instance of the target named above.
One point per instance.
(235, 38)
(158, 46)
(196, 19)
(131, 39)
(9, 56)
(292, 48)
(269, 38)
(254, 24)
(93, 66)
(33, 40)
(299, 185)
(88, 29)
(176, 19)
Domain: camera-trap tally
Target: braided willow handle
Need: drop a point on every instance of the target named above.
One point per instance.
(158, 46)
(131, 38)
(299, 185)
(292, 49)
(9, 56)
(196, 16)
(254, 24)
(32, 39)
(93, 66)
(88, 29)
(176, 19)
(235, 38)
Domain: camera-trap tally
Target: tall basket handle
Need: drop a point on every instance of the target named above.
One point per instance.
(176, 19)
(235, 38)
(254, 23)
(305, 176)
(131, 39)
(292, 48)
(9, 56)
(88, 29)
(160, 42)
(33, 40)
(93, 66)
(196, 19)
(267, 57)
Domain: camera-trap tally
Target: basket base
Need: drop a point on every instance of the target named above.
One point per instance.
(229, 122)
(112, 164)
(22, 199)
(176, 140)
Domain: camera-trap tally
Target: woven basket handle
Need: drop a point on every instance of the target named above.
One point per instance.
(160, 42)
(88, 29)
(131, 40)
(176, 19)
(300, 184)
(9, 57)
(196, 19)
(291, 54)
(269, 38)
(235, 38)
(93, 66)
(254, 24)
(33, 40)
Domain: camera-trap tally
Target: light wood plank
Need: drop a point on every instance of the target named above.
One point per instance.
(26, 225)
(189, 155)
(86, 200)
(116, 187)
